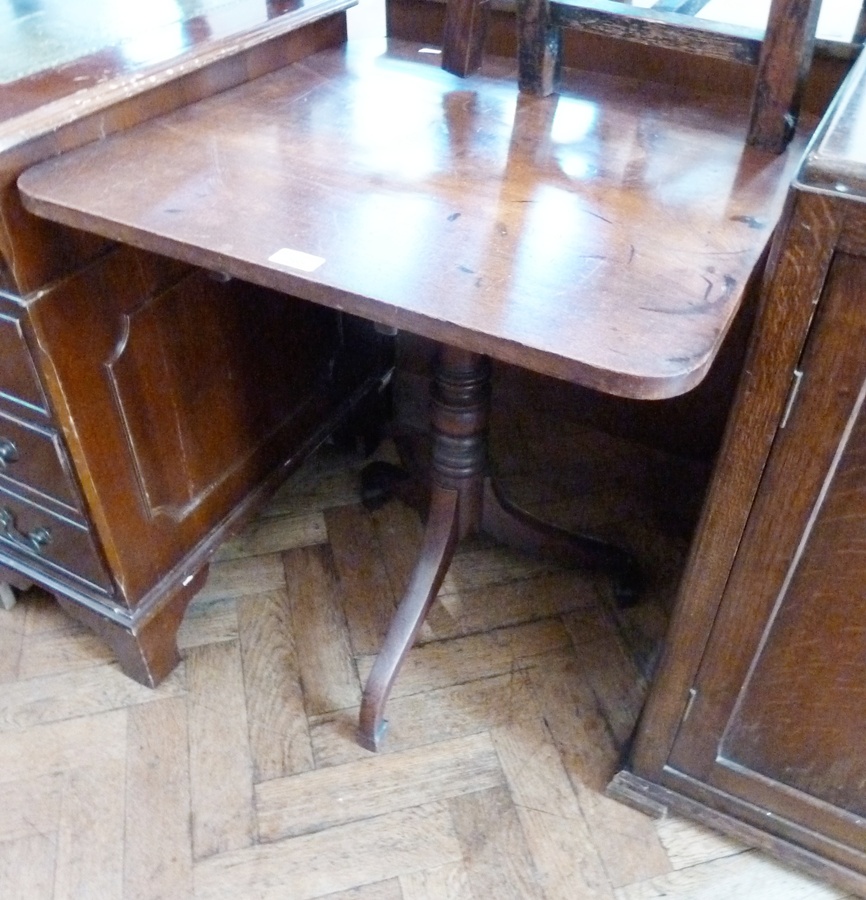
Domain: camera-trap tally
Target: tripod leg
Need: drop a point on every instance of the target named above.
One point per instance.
(437, 549)
(517, 528)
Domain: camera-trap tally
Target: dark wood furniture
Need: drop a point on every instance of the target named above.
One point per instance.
(757, 715)
(594, 51)
(564, 234)
(147, 406)
(781, 52)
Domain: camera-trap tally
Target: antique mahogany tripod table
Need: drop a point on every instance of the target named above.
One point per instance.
(604, 236)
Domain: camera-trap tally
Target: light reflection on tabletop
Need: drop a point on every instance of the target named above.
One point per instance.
(39, 35)
(54, 48)
(36, 35)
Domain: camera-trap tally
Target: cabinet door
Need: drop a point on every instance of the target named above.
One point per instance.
(776, 729)
(179, 395)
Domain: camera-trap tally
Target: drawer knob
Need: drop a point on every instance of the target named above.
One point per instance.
(8, 452)
(35, 540)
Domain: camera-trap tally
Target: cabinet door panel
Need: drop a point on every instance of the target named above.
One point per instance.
(806, 697)
(178, 395)
(195, 348)
(779, 711)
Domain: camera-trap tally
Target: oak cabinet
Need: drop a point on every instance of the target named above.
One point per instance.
(756, 721)
(777, 710)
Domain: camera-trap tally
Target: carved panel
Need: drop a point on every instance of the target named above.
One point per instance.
(180, 377)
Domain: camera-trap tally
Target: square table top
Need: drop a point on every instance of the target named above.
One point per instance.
(605, 235)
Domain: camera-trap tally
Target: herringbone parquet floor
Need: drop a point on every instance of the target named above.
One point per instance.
(239, 776)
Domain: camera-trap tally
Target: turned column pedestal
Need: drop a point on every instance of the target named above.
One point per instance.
(464, 500)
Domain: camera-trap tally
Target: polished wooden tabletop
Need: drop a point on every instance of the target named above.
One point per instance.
(604, 236)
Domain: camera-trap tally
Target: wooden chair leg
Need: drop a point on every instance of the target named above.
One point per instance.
(539, 48)
(437, 549)
(464, 35)
(786, 53)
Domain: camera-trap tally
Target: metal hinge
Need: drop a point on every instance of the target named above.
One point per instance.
(693, 693)
(792, 396)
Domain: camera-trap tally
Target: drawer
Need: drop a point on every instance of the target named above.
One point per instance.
(34, 456)
(49, 541)
(19, 382)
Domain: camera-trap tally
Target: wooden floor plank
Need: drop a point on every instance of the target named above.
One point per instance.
(398, 532)
(279, 736)
(328, 479)
(487, 566)
(275, 534)
(442, 663)
(384, 890)
(576, 723)
(324, 656)
(449, 882)
(745, 875)
(586, 625)
(497, 859)
(337, 859)
(376, 785)
(78, 692)
(368, 594)
(565, 857)
(220, 766)
(625, 839)
(43, 614)
(208, 621)
(11, 641)
(30, 807)
(27, 867)
(59, 746)
(90, 834)
(423, 719)
(239, 577)
(688, 844)
(615, 682)
(158, 837)
(56, 652)
(512, 603)
(557, 835)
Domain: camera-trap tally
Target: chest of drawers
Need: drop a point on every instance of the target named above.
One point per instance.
(43, 524)
(148, 410)
(148, 407)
